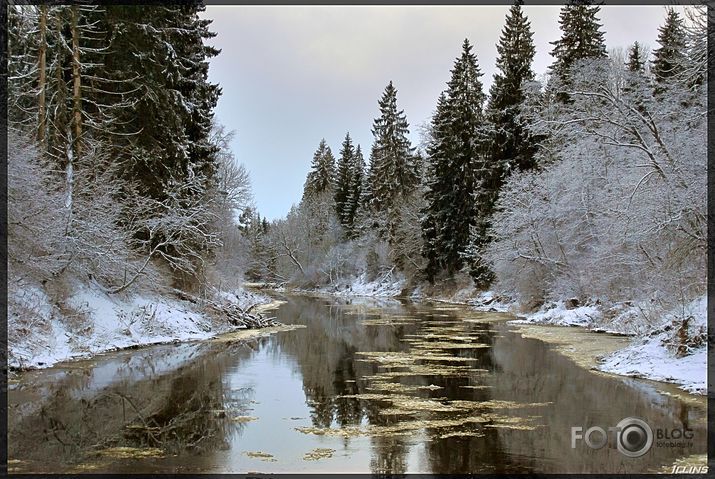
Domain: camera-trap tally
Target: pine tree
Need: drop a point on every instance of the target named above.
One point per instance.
(635, 62)
(321, 177)
(582, 38)
(393, 169)
(458, 169)
(670, 59)
(343, 180)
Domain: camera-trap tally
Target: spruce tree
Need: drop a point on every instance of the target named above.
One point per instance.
(510, 145)
(582, 38)
(393, 169)
(343, 180)
(438, 184)
(457, 166)
(321, 177)
(670, 58)
(355, 192)
(635, 62)
(168, 141)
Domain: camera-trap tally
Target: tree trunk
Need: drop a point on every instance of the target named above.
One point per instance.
(42, 81)
(76, 86)
(58, 124)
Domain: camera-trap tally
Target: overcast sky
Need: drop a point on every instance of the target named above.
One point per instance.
(293, 75)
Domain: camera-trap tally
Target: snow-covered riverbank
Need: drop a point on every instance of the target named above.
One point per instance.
(384, 286)
(90, 322)
(661, 350)
(672, 349)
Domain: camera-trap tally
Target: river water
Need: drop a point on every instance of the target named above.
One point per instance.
(361, 386)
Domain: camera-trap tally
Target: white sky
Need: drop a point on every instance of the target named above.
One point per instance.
(292, 75)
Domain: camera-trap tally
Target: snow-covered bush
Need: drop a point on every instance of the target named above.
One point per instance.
(617, 210)
(67, 223)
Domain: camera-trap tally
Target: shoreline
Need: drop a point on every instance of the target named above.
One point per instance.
(584, 345)
(594, 345)
(579, 343)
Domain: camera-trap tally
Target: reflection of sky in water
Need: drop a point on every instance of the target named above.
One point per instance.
(133, 366)
(277, 389)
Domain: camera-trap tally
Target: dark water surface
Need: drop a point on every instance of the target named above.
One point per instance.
(364, 387)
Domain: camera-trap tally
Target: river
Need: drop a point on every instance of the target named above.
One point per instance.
(361, 386)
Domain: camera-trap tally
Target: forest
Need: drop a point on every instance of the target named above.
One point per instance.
(584, 183)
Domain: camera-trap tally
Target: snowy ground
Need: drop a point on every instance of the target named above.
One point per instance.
(385, 286)
(653, 355)
(488, 301)
(90, 321)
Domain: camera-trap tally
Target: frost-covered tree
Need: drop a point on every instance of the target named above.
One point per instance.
(636, 59)
(437, 183)
(232, 203)
(354, 200)
(618, 212)
(393, 170)
(699, 44)
(124, 82)
(344, 180)
(510, 146)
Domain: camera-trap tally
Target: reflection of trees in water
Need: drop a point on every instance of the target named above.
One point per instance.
(177, 411)
(389, 455)
(195, 414)
(531, 372)
(325, 352)
(465, 454)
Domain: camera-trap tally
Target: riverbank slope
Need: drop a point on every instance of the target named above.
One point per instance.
(89, 321)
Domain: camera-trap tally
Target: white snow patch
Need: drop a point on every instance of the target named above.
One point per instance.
(92, 322)
(653, 357)
(556, 313)
(386, 286)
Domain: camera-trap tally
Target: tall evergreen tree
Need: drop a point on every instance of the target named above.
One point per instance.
(393, 168)
(510, 146)
(321, 177)
(670, 59)
(636, 60)
(582, 38)
(458, 167)
(124, 91)
(169, 141)
(343, 180)
(355, 192)
(438, 183)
